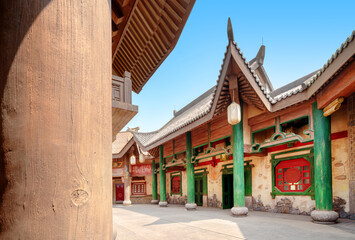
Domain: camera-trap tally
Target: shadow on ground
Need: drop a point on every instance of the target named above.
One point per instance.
(176, 222)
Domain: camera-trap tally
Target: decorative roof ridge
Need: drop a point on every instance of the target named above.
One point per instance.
(213, 93)
(195, 101)
(294, 84)
(308, 82)
(333, 57)
(208, 94)
(256, 78)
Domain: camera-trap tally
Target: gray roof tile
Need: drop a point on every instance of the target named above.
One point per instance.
(202, 105)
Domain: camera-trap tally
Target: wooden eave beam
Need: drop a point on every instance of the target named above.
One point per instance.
(342, 85)
(250, 78)
(126, 10)
(172, 44)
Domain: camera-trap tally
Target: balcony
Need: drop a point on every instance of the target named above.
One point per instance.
(122, 109)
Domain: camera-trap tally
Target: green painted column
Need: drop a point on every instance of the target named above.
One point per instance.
(190, 170)
(322, 160)
(154, 184)
(238, 163)
(162, 178)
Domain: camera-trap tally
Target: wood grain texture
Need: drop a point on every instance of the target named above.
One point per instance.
(56, 119)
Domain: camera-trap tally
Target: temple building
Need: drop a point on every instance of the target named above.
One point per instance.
(246, 146)
(131, 171)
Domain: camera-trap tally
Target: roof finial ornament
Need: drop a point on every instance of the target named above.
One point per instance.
(262, 40)
(136, 129)
(261, 55)
(230, 31)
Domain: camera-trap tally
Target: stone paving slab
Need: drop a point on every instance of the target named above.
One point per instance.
(143, 221)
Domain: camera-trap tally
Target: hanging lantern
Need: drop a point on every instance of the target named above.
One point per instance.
(133, 160)
(141, 158)
(234, 114)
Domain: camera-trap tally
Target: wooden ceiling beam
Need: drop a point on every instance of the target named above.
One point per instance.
(173, 14)
(144, 33)
(149, 13)
(168, 24)
(164, 38)
(121, 12)
(177, 7)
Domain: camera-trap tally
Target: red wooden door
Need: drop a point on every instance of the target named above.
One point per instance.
(120, 192)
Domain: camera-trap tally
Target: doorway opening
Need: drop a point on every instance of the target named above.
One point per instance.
(201, 188)
(119, 192)
(227, 186)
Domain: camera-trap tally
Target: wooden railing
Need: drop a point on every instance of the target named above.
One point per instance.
(122, 88)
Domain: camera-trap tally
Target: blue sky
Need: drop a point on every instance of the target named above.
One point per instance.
(299, 37)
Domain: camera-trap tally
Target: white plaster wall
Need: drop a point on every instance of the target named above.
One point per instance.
(261, 180)
(340, 170)
(262, 185)
(148, 180)
(214, 181)
(303, 203)
(340, 157)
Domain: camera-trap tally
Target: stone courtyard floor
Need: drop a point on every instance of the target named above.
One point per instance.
(143, 221)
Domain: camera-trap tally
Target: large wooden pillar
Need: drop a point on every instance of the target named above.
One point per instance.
(163, 202)
(55, 122)
(351, 144)
(322, 168)
(238, 169)
(154, 184)
(190, 205)
(127, 183)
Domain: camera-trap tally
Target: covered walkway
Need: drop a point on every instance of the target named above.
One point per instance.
(174, 222)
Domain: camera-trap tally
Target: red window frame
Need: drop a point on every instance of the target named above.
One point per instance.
(139, 188)
(293, 175)
(176, 184)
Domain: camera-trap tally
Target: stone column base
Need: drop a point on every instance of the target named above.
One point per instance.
(163, 204)
(127, 203)
(239, 211)
(190, 206)
(154, 201)
(324, 217)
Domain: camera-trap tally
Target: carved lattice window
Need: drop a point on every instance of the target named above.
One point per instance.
(138, 188)
(293, 175)
(176, 185)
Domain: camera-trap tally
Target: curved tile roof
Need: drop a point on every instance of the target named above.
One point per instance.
(122, 138)
(190, 113)
(203, 104)
(311, 78)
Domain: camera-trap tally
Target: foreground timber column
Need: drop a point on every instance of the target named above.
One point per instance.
(239, 208)
(127, 183)
(163, 202)
(190, 205)
(322, 168)
(154, 184)
(55, 122)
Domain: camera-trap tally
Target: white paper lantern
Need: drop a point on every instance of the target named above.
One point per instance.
(141, 158)
(133, 160)
(234, 114)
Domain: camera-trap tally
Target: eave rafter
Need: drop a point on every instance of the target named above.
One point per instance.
(144, 34)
